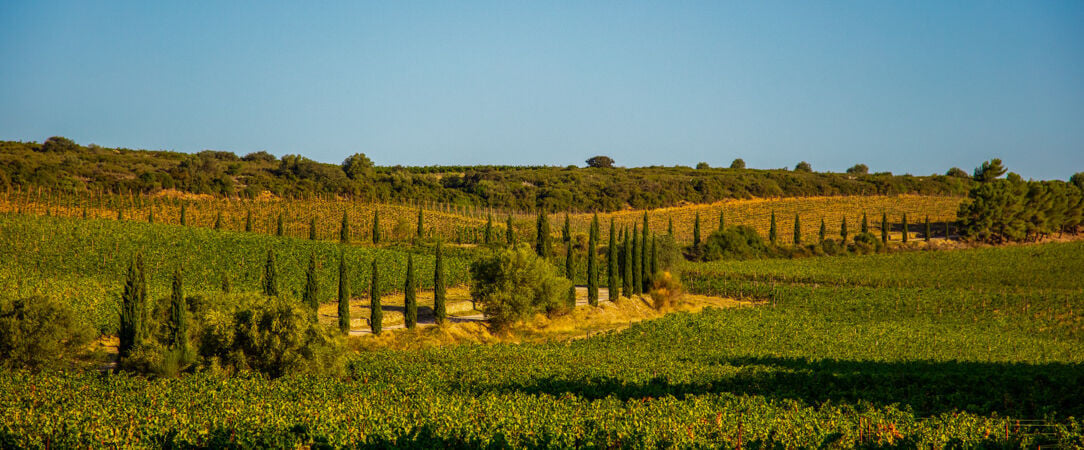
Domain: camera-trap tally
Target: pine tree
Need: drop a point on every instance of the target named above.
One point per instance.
(440, 312)
(311, 296)
(626, 269)
(509, 232)
(645, 259)
(543, 244)
(280, 228)
(722, 220)
(312, 228)
(225, 284)
(797, 231)
(696, 231)
(421, 225)
(884, 228)
(824, 230)
(248, 222)
(184, 216)
(927, 232)
(637, 270)
(566, 232)
(218, 221)
(177, 339)
(771, 230)
(270, 284)
(865, 224)
(131, 315)
(410, 296)
(904, 228)
(344, 229)
(611, 266)
(592, 263)
(344, 296)
(488, 239)
(376, 226)
(843, 230)
(376, 313)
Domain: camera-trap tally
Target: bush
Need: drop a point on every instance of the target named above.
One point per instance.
(866, 243)
(740, 242)
(40, 333)
(515, 284)
(665, 290)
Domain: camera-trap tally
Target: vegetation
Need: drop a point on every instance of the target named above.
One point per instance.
(515, 284)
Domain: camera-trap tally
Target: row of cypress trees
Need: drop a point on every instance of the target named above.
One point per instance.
(773, 235)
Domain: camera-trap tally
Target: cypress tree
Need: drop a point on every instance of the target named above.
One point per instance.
(439, 311)
(344, 296)
(248, 222)
(722, 220)
(797, 231)
(84, 211)
(421, 224)
(843, 230)
(771, 230)
(569, 273)
(311, 296)
(488, 239)
(566, 232)
(150, 217)
(131, 314)
(611, 266)
(509, 232)
(670, 227)
(312, 228)
(905, 228)
(592, 263)
(178, 318)
(270, 284)
(637, 270)
(626, 269)
(376, 313)
(376, 226)
(225, 284)
(410, 296)
(884, 228)
(865, 224)
(280, 228)
(824, 230)
(184, 215)
(344, 229)
(946, 230)
(645, 259)
(120, 214)
(696, 231)
(654, 258)
(543, 245)
(218, 221)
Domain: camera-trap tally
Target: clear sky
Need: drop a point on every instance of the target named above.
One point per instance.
(904, 86)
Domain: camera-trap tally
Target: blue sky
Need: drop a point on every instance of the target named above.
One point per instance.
(908, 87)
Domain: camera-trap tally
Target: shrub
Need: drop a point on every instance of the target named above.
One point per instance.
(515, 284)
(865, 243)
(740, 242)
(665, 290)
(40, 333)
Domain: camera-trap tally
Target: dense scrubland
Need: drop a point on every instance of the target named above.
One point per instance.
(146, 310)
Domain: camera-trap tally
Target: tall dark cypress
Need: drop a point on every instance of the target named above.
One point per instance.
(722, 220)
(131, 315)
(178, 317)
(344, 296)
(905, 228)
(376, 313)
(946, 230)
(654, 259)
(611, 266)
(592, 263)
(184, 215)
(926, 233)
(440, 311)
(696, 231)
(566, 232)
(376, 226)
(270, 282)
(150, 217)
(637, 274)
(280, 228)
(218, 221)
(626, 268)
(570, 296)
(645, 259)
(884, 228)
(865, 224)
(421, 224)
(542, 243)
(488, 236)
(843, 230)
(771, 230)
(410, 296)
(824, 230)
(311, 296)
(344, 229)
(670, 227)
(312, 228)
(248, 222)
(509, 232)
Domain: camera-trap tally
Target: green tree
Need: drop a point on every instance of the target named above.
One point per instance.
(670, 227)
(376, 313)
(865, 224)
(543, 244)
(280, 229)
(696, 231)
(344, 296)
(311, 296)
(218, 221)
(645, 259)
(771, 230)
(358, 166)
(312, 228)
(440, 312)
(926, 233)
(566, 232)
(177, 337)
(592, 263)
(843, 230)
(410, 296)
(488, 236)
(376, 227)
(989, 171)
(514, 284)
(133, 305)
(421, 225)
(884, 228)
(248, 222)
(823, 231)
(737, 164)
(905, 228)
(344, 229)
(637, 274)
(150, 217)
(270, 282)
(626, 269)
(184, 215)
(797, 231)
(570, 297)
(654, 258)
(611, 265)
(722, 220)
